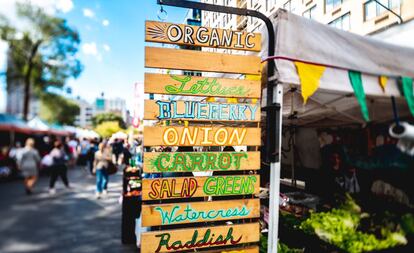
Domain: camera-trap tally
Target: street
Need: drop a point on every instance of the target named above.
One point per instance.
(72, 220)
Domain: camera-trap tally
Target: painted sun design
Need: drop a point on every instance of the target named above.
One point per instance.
(158, 31)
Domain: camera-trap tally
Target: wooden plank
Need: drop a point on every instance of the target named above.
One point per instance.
(201, 86)
(181, 213)
(200, 111)
(168, 58)
(191, 187)
(155, 162)
(248, 249)
(201, 136)
(189, 35)
(196, 238)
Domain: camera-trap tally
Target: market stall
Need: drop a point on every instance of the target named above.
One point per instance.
(346, 89)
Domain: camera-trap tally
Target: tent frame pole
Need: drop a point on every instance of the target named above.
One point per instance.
(272, 108)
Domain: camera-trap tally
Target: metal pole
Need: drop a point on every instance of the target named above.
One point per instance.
(273, 106)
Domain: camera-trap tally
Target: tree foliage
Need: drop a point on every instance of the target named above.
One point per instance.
(107, 128)
(42, 54)
(58, 109)
(104, 117)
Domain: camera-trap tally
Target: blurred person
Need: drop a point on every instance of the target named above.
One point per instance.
(7, 164)
(70, 149)
(117, 147)
(28, 162)
(101, 163)
(15, 151)
(91, 155)
(58, 167)
(83, 149)
(125, 155)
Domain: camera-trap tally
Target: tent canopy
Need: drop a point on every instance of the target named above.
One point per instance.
(304, 40)
(38, 124)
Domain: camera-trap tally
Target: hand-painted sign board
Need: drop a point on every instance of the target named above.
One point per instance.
(200, 111)
(201, 136)
(201, 36)
(201, 86)
(192, 187)
(197, 238)
(193, 212)
(168, 58)
(158, 194)
(155, 162)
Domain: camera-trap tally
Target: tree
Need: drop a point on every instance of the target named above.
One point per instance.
(103, 117)
(108, 128)
(41, 55)
(58, 109)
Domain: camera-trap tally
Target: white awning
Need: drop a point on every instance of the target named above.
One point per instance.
(301, 39)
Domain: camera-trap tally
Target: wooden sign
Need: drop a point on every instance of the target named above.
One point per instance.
(197, 238)
(191, 187)
(201, 136)
(200, 161)
(201, 36)
(161, 192)
(201, 86)
(168, 58)
(249, 249)
(180, 213)
(200, 111)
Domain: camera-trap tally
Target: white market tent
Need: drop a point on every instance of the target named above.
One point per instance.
(86, 133)
(38, 124)
(333, 104)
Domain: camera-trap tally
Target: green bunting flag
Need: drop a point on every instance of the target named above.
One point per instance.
(356, 81)
(407, 88)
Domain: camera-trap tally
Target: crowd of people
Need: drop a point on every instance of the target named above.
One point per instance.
(99, 158)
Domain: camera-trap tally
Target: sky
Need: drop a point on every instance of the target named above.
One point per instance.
(112, 42)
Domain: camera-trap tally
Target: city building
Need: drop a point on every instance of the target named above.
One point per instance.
(86, 112)
(363, 17)
(113, 105)
(193, 17)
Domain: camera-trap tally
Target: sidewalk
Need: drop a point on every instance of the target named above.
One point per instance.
(72, 220)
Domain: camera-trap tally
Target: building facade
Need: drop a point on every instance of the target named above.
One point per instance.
(363, 17)
(113, 105)
(86, 112)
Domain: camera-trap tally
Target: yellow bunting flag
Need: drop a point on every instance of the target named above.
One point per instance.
(254, 100)
(253, 77)
(309, 76)
(186, 123)
(232, 100)
(210, 99)
(383, 82)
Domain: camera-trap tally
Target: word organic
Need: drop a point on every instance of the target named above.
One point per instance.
(200, 161)
(206, 111)
(191, 215)
(198, 35)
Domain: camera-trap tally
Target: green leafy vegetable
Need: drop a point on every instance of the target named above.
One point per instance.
(339, 227)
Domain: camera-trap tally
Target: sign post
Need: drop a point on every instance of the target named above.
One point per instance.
(191, 212)
(181, 35)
